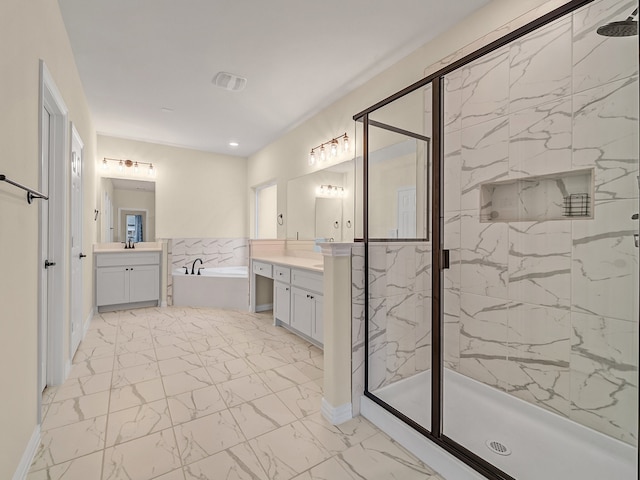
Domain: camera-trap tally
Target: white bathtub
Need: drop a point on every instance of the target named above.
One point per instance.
(218, 287)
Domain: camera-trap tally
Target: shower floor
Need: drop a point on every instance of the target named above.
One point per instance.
(542, 444)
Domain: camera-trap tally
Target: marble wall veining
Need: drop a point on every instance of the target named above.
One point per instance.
(538, 308)
(214, 252)
(544, 310)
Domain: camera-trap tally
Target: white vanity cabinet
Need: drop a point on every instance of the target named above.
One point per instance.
(297, 298)
(127, 279)
(282, 294)
(306, 313)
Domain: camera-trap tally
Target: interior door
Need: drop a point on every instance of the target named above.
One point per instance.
(76, 241)
(44, 249)
(407, 212)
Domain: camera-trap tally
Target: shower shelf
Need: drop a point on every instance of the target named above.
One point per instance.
(557, 196)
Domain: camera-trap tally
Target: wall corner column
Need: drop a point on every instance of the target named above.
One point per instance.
(336, 400)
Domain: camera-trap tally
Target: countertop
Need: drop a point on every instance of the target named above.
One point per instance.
(314, 264)
(115, 247)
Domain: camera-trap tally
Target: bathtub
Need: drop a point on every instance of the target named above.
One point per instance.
(218, 287)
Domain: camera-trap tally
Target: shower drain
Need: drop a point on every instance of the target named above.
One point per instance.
(497, 447)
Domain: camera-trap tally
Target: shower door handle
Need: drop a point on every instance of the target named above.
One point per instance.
(445, 259)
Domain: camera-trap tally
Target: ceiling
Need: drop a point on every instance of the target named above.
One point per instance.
(147, 65)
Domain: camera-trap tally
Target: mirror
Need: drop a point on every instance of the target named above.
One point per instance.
(315, 212)
(329, 218)
(128, 209)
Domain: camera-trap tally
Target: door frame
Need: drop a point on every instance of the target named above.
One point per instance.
(56, 184)
(75, 290)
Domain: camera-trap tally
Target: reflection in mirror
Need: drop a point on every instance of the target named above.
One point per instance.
(329, 219)
(312, 213)
(397, 197)
(128, 210)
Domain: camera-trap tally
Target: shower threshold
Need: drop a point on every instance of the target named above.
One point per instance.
(540, 444)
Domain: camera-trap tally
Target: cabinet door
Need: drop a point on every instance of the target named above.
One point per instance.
(112, 285)
(144, 283)
(282, 301)
(317, 332)
(301, 310)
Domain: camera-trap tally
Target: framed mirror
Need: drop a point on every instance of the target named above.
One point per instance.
(128, 210)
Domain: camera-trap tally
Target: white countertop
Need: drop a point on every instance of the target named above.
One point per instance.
(315, 264)
(115, 247)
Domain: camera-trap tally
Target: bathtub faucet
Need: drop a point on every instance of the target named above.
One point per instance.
(193, 266)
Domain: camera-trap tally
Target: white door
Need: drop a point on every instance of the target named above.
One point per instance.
(53, 280)
(44, 248)
(76, 241)
(407, 212)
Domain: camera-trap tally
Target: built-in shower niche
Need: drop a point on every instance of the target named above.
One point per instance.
(557, 196)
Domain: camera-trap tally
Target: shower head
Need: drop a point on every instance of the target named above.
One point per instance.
(624, 28)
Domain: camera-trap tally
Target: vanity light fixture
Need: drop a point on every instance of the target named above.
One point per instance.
(334, 149)
(330, 191)
(124, 166)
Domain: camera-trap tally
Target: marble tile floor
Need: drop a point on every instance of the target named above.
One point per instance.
(185, 394)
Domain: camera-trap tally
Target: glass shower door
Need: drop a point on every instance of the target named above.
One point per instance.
(398, 252)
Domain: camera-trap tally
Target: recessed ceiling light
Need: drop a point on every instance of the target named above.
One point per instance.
(233, 144)
(167, 110)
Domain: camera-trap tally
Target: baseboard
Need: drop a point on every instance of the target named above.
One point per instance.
(67, 369)
(28, 455)
(336, 415)
(163, 304)
(265, 307)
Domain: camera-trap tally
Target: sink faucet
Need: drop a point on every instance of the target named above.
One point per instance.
(193, 266)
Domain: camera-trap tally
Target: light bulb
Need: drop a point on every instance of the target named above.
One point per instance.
(334, 147)
(150, 172)
(120, 166)
(135, 167)
(105, 165)
(312, 157)
(345, 143)
(323, 154)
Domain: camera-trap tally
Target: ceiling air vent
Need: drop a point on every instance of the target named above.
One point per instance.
(229, 81)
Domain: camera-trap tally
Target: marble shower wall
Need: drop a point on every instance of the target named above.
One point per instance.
(399, 280)
(547, 310)
(214, 252)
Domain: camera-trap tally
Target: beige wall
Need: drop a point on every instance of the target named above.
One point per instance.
(30, 31)
(287, 157)
(198, 194)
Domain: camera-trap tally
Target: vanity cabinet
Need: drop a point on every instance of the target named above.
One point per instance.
(297, 298)
(282, 302)
(127, 279)
(306, 312)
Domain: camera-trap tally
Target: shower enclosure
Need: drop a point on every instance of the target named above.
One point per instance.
(500, 250)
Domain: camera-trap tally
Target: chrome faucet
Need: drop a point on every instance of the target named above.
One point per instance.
(193, 266)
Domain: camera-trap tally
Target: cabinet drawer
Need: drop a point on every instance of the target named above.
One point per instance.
(282, 274)
(263, 269)
(307, 280)
(127, 259)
